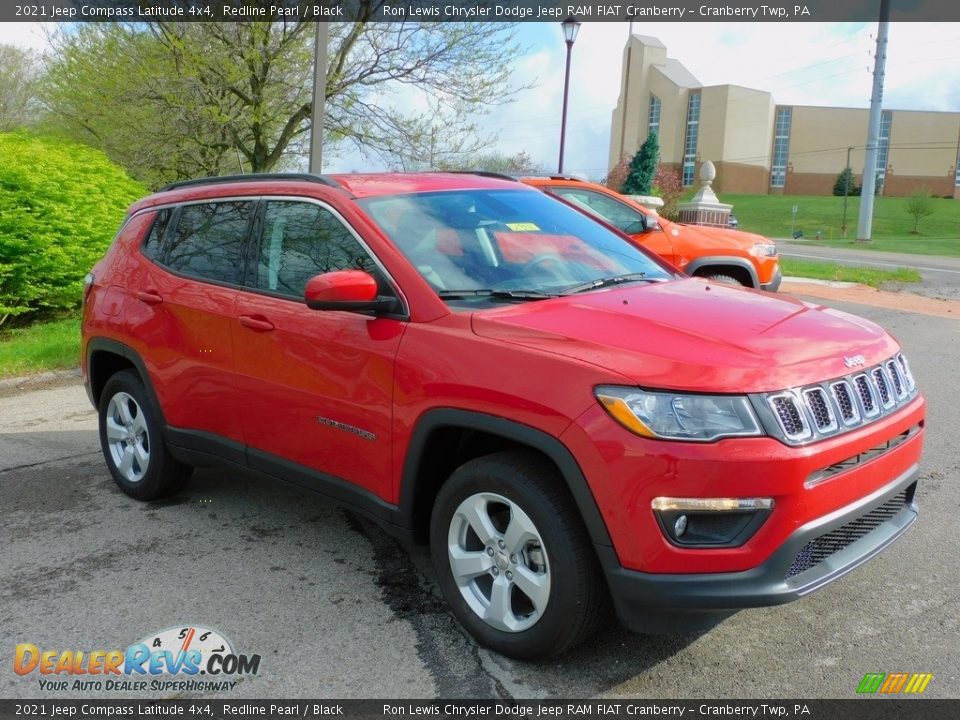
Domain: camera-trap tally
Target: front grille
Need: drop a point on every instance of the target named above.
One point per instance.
(821, 548)
(825, 409)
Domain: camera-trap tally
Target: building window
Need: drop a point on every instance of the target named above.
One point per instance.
(781, 147)
(956, 179)
(653, 127)
(883, 147)
(690, 144)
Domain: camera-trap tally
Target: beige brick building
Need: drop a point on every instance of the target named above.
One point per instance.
(761, 147)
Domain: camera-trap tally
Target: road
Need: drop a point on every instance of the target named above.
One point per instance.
(941, 275)
(338, 609)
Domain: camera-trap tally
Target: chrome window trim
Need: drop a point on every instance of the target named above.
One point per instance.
(284, 198)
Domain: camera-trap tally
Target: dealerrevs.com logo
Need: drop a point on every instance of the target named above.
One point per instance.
(184, 659)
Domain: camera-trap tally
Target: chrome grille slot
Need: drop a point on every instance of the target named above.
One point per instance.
(899, 385)
(879, 376)
(790, 416)
(867, 395)
(843, 397)
(905, 366)
(823, 417)
(819, 410)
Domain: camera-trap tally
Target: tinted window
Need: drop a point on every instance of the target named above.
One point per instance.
(301, 240)
(151, 246)
(617, 213)
(208, 241)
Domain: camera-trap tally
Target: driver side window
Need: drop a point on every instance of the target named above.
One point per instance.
(300, 240)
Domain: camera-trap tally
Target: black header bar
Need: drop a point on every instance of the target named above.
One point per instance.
(640, 11)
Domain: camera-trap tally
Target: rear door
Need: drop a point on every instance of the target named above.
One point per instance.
(317, 386)
(621, 215)
(184, 310)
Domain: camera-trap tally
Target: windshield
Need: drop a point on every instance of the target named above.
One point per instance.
(507, 244)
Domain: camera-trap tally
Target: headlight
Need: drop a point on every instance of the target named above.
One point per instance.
(764, 249)
(679, 416)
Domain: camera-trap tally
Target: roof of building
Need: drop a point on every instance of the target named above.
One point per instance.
(676, 73)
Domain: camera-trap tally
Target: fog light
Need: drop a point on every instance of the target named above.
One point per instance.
(710, 522)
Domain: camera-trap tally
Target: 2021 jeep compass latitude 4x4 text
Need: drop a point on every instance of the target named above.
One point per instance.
(564, 418)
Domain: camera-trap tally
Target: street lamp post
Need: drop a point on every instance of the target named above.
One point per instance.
(570, 29)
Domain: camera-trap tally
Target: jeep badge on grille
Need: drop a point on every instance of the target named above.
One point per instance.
(854, 360)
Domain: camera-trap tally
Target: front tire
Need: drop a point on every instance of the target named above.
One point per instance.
(132, 441)
(513, 558)
(723, 278)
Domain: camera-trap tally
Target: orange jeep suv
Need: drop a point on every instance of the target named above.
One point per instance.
(721, 254)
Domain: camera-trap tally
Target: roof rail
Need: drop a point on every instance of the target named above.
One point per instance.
(567, 177)
(251, 177)
(481, 173)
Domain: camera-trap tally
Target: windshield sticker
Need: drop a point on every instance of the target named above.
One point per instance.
(523, 227)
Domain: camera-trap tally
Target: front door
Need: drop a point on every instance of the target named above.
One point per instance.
(317, 386)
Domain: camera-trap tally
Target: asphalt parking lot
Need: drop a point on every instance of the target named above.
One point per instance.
(338, 609)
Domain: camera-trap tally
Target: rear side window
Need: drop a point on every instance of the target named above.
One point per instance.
(301, 240)
(151, 246)
(208, 241)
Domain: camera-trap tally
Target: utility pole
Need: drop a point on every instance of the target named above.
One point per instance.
(865, 224)
(846, 193)
(319, 96)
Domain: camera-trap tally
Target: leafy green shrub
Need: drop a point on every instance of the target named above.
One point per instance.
(60, 206)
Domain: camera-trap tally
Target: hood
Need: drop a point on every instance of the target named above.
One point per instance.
(693, 335)
(714, 237)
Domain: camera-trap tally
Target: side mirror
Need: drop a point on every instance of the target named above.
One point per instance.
(344, 290)
(650, 223)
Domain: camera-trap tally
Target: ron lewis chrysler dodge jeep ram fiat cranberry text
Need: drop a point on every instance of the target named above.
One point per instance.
(567, 420)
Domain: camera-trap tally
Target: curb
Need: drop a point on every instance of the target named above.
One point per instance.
(26, 382)
(825, 283)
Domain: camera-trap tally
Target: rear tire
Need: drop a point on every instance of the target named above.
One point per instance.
(513, 558)
(132, 441)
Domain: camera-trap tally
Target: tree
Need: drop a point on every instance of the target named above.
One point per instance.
(919, 205)
(195, 97)
(19, 70)
(668, 186)
(845, 184)
(60, 206)
(520, 164)
(643, 167)
(617, 175)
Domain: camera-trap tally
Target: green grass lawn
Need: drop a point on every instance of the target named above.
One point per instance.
(939, 234)
(44, 346)
(847, 273)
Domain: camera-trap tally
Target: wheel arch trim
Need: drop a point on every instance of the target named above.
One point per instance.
(534, 438)
(113, 347)
(720, 260)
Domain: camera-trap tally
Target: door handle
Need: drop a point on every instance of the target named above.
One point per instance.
(258, 323)
(150, 297)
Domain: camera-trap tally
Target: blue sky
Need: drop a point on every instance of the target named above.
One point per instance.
(800, 63)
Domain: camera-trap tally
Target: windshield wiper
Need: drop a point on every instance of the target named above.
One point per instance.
(495, 294)
(607, 282)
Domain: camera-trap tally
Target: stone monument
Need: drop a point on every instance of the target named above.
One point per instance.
(704, 208)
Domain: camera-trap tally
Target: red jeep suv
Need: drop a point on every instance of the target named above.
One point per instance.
(563, 417)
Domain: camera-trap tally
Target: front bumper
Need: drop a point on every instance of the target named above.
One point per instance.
(647, 602)
(775, 281)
